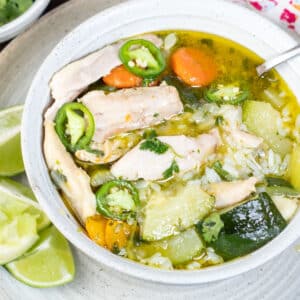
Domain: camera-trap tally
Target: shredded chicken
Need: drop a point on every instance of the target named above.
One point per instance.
(74, 182)
(131, 109)
(230, 193)
(188, 153)
(73, 79)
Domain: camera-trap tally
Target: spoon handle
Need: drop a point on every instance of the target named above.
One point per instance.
(271, 63)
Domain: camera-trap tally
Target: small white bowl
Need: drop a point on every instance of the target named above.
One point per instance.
(135, 17)
(21, 23)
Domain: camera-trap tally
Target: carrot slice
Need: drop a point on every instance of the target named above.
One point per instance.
(95, 227)
(121, 78)
(193, 66)
(117, 234)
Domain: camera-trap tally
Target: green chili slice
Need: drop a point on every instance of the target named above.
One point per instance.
(142, 58)
(75, 126)
(226, 94)
(117, 199)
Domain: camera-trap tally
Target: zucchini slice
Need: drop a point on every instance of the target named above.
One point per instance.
(248, 227)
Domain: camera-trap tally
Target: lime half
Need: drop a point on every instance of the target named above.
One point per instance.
(20, 220)
(11, 162)
(49, 263)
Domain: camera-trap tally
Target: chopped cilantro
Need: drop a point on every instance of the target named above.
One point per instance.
(95, 151)
(149, 134)
(217, 166)
(155, 115)
(154, 145)
(211, 227)
(174, 168)
(219, 120)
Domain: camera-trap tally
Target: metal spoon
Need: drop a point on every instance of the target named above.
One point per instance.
(273, 62)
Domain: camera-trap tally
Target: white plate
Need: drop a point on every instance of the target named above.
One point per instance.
(278, 279)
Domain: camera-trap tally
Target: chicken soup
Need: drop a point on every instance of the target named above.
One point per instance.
(172, 152)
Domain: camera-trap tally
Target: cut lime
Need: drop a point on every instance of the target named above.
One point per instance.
(16, 199)
(11, 162)
(49, 263)
(20, 219)
(16, 237)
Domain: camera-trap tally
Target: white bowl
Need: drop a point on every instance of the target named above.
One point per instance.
(134, 17)
(18, 25)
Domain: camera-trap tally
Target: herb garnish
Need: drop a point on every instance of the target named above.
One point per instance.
(211, 227)
(174, 168)
(219, 120)
(154, 145)
(217, 166)
(149, 134)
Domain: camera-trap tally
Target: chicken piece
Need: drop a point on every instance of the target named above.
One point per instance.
(246, 139)
(73, 79)
(131, 109)
(110, 150)
(188, 153)
(73, 181)
(230, 193)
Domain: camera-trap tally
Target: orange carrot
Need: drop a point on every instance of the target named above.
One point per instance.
(117, 234)
(193, 66)
(120, 78)
(95, 227)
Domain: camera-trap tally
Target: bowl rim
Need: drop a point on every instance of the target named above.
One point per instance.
(22, 21)
(103, 256)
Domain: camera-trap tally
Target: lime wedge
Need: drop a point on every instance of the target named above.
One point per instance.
(16, 237)
(20, 219)
(49, 263)
(16, 199)
(11, 162)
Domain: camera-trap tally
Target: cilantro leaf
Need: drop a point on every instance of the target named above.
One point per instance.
(174, 168)
(217, 166)
(154, 145)
(149, 134)
(211, 227)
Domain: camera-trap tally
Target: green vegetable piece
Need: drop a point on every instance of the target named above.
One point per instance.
(149, 134)
(211, 227)
(262, 119)
(183, 205)
(279, 186)
(117, 199)
(229, 94)
(174, 168)
(100, 176)
(248, 227)
(276, 181)
(142, 58)
(294, 167)
(219, 120)
(217, 166)
(179, 249)
(75, 125)
(188, 95)
(154, 145)
(282, 190)
(69, 125)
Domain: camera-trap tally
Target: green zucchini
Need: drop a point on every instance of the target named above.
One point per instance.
(171, 211)
(294, 167)
(262, 119)
(179, 249)
(248, 227)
